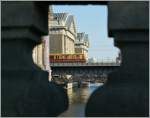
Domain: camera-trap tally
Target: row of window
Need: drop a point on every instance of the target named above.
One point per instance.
(67, 56)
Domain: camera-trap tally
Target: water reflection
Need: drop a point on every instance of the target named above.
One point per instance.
(77, 100)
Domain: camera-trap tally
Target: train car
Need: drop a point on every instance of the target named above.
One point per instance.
(67, 58)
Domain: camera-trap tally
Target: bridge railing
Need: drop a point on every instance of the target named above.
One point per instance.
(84, 64)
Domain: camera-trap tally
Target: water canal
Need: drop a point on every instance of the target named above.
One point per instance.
(77, 100)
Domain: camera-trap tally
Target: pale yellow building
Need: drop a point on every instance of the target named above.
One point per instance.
(62, 30)
(41, 55)
(38, 57)
(82, 44)
(41, 52)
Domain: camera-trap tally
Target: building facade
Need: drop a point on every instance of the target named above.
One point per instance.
(62, 30)
(41, 55)
(82, 44)
(41, 52)
(38, 55)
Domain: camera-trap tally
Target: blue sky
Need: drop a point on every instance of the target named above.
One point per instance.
(92, 19)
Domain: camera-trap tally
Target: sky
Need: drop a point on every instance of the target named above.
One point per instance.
(92, 19)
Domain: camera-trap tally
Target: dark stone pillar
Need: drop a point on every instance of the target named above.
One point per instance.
(25, 87)
(127, 90)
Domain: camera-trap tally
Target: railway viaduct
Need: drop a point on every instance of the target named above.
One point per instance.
(88, 69)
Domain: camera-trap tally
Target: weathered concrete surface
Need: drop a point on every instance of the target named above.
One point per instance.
(127, 90)
(25, 87)
(129, 15)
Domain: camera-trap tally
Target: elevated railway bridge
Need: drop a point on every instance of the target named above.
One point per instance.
(83, 69)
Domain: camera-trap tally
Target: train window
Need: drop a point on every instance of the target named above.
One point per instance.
(54, 57)
(57, 57)
(81, 56)
(76, 56)
(73, 56)
(60, 57)
(51, 57)
(68, 56)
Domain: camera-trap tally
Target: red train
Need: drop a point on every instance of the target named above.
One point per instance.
(67, 58)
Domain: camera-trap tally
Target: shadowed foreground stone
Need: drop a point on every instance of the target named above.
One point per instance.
(126, 94)
(25, 88)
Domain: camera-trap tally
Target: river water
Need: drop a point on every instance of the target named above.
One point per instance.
(78, 98)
